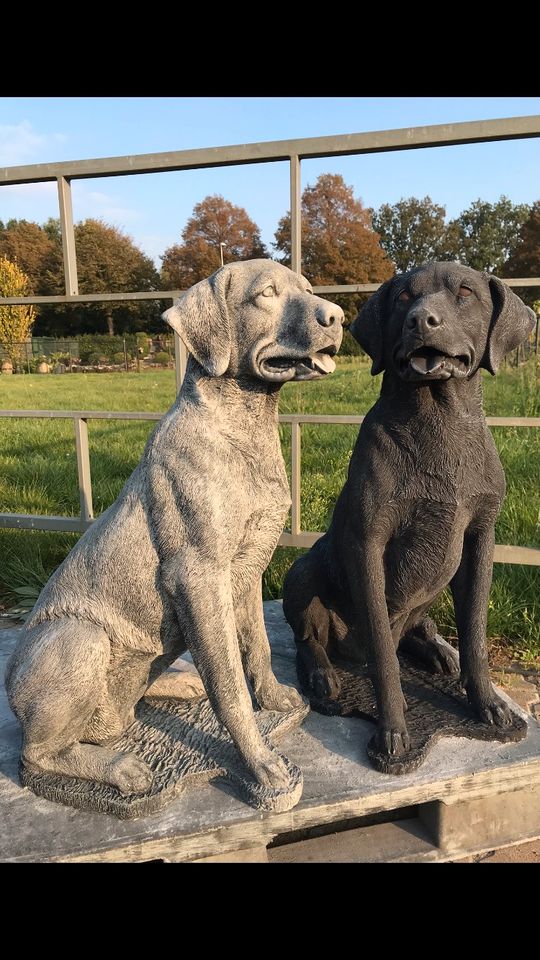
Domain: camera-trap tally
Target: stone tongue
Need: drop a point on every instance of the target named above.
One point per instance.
(419, 364)
(429, 364)
(324, 362)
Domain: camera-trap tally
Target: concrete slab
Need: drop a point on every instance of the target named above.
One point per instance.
(339, 784)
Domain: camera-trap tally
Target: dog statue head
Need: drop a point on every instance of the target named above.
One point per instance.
(441, 320)
(257, 318)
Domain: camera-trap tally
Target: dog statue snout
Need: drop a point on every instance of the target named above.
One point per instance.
(422, 320)
(328, 314)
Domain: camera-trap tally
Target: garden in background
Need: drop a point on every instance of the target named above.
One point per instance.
(38, 473)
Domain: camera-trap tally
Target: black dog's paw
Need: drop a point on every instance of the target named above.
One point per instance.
(431, 651)
(393, 742)
(491, 709)
(324, 682)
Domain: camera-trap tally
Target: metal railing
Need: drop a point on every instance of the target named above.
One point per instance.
(296, 537)
(293, 151)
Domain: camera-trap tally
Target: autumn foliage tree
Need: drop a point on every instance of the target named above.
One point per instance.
(215, 221)
(36, 252)
(108, 261)
(15, 321)
(338, 242)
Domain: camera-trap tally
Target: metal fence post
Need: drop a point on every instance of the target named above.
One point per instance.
(180, 354)
(296, 466)
(83, 468)
(296, 216)
(68, 236)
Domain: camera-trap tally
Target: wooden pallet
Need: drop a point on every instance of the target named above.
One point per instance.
(468, 797)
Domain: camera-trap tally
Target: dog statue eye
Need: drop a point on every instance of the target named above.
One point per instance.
(404, 296)
(268, 291)
(465, 291)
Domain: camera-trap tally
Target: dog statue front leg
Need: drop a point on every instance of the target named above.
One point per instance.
(255, 650)
(201, 592)
(470, 590)
(367, 585)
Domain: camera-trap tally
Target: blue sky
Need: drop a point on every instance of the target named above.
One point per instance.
(153, 209)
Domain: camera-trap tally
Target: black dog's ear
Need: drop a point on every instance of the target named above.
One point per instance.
(201, 319)
(511, 323)
(367, 328)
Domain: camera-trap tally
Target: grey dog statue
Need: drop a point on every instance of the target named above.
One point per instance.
(176, 562)
(418, 509)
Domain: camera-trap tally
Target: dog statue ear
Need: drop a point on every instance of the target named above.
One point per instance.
(511, 323)
(367, 328)
(200, 317)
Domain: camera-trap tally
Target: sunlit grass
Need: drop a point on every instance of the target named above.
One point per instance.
(38, 471)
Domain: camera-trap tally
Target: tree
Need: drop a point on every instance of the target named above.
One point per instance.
(488, 233)
(109, 262)
(338, 242)
(36, 252)
(525, 260)
(215, 221)
(413, 231)
(15, 321)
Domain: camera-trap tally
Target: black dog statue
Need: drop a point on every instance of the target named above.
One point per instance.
(418, 509)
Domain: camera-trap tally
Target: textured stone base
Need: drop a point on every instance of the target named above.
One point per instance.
(437, 707)
(185, 745)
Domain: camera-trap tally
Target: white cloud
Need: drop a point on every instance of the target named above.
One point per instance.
(154, 245)
(30, 189)
(107, 206)
(20, 143)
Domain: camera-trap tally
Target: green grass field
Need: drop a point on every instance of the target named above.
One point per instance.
(38, 472)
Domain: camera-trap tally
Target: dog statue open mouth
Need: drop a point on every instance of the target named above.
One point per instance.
(282, 368)
(432, 363)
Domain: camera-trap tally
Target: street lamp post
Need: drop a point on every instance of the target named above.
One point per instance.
(221, 251)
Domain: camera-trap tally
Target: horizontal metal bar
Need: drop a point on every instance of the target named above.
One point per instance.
(510, 554)
(92, 297)
(347, 288)
(319, 418)
(24, 521)
(504, 553)
(371, 287)
(27, 521)
(82, 414)
(513, 421)
(344, 419)
(376, 141)
(174, 294)
(323, 418)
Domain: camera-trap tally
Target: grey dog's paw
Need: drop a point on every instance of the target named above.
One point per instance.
(278, 696)
(129, 774)
(393, 742)
(325, 683)
(270, 771)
